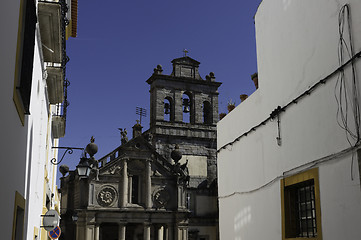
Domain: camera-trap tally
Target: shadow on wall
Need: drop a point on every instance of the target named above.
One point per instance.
(241, 219)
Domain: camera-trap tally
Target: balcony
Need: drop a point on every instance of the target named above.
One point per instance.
(55, 82)
(58, 126)
(50, 30)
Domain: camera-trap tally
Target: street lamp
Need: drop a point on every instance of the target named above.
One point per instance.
(75, 217)
(86, 164)
(83, 168)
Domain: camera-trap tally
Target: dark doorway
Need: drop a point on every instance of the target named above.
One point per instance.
(134, 232)
(108, 231)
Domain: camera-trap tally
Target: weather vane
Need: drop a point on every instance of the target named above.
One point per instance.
(185, 52)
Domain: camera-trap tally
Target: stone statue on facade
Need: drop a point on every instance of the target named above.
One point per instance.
(123, 135)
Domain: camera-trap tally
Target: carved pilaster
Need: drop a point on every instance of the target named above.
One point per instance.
(148, 201)
(124, 197)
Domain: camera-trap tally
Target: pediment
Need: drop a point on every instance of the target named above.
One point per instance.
(136, 152)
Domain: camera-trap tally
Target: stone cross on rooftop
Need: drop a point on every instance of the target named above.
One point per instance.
(185, 52)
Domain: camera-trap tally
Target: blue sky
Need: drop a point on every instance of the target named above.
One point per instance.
(119, 44)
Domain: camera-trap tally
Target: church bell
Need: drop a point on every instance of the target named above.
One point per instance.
(186, 105)
(166, 108)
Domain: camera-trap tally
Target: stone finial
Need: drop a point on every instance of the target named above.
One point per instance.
(158, 70)
(64, 169)
(222, 115)
(254, 78)
(231, 105)
(243, 97)
(91, 148)
(176, 155)
(210, 77)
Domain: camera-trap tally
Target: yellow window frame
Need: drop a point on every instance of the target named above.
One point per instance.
(16, 96)
(19, 203)
(295, 179)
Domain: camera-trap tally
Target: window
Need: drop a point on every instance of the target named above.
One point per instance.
(301, 215)
(18, 221)
(134, 189)
(25, 57)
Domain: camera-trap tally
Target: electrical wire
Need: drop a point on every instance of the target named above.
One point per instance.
(343, 96)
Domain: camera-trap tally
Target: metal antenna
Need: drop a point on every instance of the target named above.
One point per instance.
(141, 112)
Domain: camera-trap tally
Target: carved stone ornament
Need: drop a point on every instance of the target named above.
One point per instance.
(107, 196)
(115, 169)
(161, 197)
(45, 74)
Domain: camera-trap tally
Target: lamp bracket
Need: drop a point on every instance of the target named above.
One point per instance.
(67, 150)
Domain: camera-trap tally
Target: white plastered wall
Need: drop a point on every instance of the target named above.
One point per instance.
(41, 180)
(297, 45)
(13, 133)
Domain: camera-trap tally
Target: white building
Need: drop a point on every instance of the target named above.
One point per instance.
(33, 119)
(287, 168)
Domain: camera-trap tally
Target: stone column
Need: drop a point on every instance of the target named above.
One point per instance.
(146, 231)
(148, 200)
(166, 232)
(96, 232)
(160, 230)
(90, 232)
(130, 186)
(81, 231)
(125, 184)
(121, 231)
(181, 198)
(182, 233)
(185, 233)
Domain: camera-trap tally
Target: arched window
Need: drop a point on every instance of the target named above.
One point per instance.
(186, 103)
(168, 109)
(207, 112)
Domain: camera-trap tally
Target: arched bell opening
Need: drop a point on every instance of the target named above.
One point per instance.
(187, 107)
(168, 109)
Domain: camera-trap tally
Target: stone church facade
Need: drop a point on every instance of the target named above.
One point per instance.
(161, 184)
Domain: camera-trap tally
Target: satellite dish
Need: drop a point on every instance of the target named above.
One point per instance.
(50, 220)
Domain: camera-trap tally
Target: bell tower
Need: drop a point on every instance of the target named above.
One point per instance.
(184, 110)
